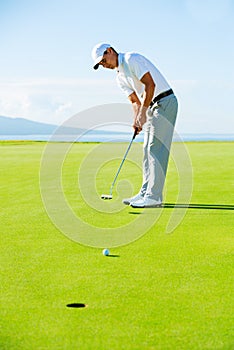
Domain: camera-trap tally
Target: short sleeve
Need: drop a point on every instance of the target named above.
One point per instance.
(138, 65)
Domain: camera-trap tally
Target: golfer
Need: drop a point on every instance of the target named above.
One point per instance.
(155, 109)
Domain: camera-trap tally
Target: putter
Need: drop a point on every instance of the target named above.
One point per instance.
(109, 196)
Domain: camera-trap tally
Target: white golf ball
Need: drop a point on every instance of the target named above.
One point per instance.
(105, 252)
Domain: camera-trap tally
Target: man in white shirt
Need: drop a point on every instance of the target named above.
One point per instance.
(155, 107)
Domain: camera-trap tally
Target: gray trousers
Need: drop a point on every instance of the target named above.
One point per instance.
(158, 133)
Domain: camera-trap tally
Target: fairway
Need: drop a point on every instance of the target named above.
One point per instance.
(164, 291)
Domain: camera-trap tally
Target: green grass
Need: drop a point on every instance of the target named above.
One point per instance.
(163, 291)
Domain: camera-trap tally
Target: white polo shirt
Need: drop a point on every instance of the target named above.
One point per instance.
(132, 67)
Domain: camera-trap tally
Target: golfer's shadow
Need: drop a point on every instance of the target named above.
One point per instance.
(191, 206)
(199, 206)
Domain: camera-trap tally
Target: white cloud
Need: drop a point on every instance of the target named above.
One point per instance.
(54, 82)
(56, 100)
(52, 100)
(65, 107)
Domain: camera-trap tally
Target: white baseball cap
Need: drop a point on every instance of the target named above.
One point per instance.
(98, 52)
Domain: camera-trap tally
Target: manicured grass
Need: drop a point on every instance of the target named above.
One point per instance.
(163, 291)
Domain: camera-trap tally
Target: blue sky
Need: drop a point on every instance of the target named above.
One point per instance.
(46, 66)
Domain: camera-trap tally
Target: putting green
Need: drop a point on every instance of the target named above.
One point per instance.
(163, 291)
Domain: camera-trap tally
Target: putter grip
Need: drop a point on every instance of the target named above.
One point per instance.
(135, 133)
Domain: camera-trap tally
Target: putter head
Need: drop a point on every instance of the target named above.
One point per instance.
(106, 196)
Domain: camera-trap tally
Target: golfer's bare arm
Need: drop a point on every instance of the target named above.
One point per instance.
(146, 100)
(148, 94)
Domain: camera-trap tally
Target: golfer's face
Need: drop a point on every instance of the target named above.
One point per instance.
(109, 59)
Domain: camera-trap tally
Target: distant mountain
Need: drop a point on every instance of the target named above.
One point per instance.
(21, 126)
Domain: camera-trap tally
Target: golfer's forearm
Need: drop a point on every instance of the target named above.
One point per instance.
(135, 102)
(148, 95)
(134, 99)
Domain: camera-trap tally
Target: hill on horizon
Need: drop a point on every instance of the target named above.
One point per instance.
(22, 126)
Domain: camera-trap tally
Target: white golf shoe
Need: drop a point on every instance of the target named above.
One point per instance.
(146, 203)
(137, 197)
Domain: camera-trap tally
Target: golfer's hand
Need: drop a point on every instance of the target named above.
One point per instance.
(136, 108)
(141, 117)
(136, 127)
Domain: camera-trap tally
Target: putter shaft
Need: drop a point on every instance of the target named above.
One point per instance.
(121, 164)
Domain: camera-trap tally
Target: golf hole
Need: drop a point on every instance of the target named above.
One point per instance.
(77, 305)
